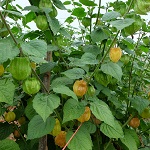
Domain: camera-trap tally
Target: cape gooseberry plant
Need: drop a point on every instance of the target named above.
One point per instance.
(80, 84)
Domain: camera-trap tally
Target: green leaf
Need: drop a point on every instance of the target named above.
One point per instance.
(110, 15)
(59, 4)
(88, 58)
(134, 136)
(38, 128)
(65, 90)
(112, 132)
(30, 111)
(121, 24)
(53, 23)
(74, 73)
(37, 48)
(28, 18)
(79, 12)
(81, 141)
(98, 35)
(8, 50)
(46, 67)
(7, 89)
(87, 3)
(5, 130)
(15, 13)
(91, 49)
(61, 81)
(102, 112)
(139, 103)
(72, 110)
(129, 141)
(32, 8)
(8, 145)
(45, 104)
(64, 32)
(112, 69)
(89, 126)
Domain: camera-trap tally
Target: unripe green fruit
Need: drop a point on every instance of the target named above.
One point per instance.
(86, 21)
(20, 68)
(3, 31)
(41, 22)
(10, 116)
(102, 78)
(31, 86)
(91, 91)
(54, 12)
(45, 3)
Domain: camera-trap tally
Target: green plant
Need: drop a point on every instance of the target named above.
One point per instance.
(74, 83)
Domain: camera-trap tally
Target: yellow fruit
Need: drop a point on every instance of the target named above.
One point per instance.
(115, 54)
(57, 128)
(86, 115)
(80, 87)
(10, 116)
(60, 139)
(1, 70)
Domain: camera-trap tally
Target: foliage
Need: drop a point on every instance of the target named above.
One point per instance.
(82, 83)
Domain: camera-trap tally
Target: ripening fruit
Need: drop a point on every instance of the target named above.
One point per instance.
(80, 87)
(10, 116)
(20, 68)
(16, 134)
(86, 115)
(115, 54)
(22, 120)
(146, 113)
(60, 139)
(1, 70)
(31, 86)
(57, 128)
(134, 122)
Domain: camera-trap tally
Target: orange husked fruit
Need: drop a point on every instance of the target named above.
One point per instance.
(80, 87)
(115, 54)
(134, 122)
(1, 70)
(60, 139)
(16, 134)
(86, 115)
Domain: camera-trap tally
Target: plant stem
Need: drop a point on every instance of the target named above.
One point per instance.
(72, 136)
(98, 13)
(20, 134)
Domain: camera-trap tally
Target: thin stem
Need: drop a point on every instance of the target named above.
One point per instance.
(44, 87)
(98, 13)
(20, 134)
(72, 136)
